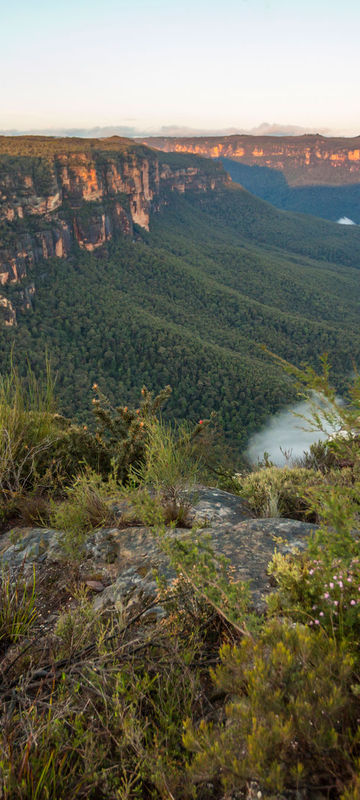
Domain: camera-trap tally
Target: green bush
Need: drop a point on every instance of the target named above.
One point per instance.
(318, 593)
(85, 508)
(39, 449)
(171, 462)
(320, 456)
(172, 465)
(96, 708)
(280, 492)
(291, 721)
(107, 721)
(26, 430)
(73, 447)
(17, 606)
(81, 625)
(124, 431)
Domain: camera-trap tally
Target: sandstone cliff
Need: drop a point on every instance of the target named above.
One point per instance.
(57, 193)
(303, 160)
(7, 312)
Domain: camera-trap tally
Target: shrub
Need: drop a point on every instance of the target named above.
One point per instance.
(79, 626)
(291, 720)
(275, 491)
(86, 507)
(17, 606)
(107, 720)
(211, 578)
(26, 429)
(73, 447)
(39, 449)
(124, 430)
(328, 412)
(33, 509)
(171, 467)
(171, 462)
(320, 456)
(318, 593)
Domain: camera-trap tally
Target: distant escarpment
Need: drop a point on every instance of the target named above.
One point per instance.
(304, 160)
(56, 194)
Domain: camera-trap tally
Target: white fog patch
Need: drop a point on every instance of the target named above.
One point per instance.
(346, 221)
(284, 437)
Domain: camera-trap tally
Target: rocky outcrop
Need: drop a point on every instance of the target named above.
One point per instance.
(126, 557)
(7, 312)
(189, 178)
(26, 249)
(120, 182)
(303, 160)
(55, 193)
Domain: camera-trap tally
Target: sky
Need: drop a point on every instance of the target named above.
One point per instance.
(201, 64)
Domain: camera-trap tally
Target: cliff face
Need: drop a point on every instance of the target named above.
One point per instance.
(7, 312)
(55, 193)
(304, 160)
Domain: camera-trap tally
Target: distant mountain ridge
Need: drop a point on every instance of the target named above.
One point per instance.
(134, 131)
(303, 160)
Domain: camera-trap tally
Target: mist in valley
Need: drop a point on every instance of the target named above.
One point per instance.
(346, 221)
(286, 437)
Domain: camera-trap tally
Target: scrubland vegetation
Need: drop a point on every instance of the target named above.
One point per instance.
(214, 700)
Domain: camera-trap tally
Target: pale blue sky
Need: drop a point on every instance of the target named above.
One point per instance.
(213, 64)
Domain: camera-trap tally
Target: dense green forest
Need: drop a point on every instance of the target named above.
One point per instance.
(329, 202)
(191, 304)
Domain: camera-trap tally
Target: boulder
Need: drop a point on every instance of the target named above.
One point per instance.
(30, 546)
(213, 506)
(250, 545)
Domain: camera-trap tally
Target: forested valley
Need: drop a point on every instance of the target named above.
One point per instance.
(192, 303)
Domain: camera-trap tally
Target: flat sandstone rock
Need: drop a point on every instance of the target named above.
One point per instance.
(131, 555)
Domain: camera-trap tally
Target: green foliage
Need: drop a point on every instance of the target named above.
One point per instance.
(338, 535)
(109, 722)
(26, 429)
(144, 507)
(17, 167)
(78, 627)
(327, 410)
(275, 492)
(172, 462)
(291, 721)
(194, 298)
(336, 498)
(318, 592)
(39, 449)
(329, 202)
(74, 445)
(17, 605)
(320, 456)
(125, 430)
(86, 507)
(102, 715)
(211, 578)
(29, 147)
